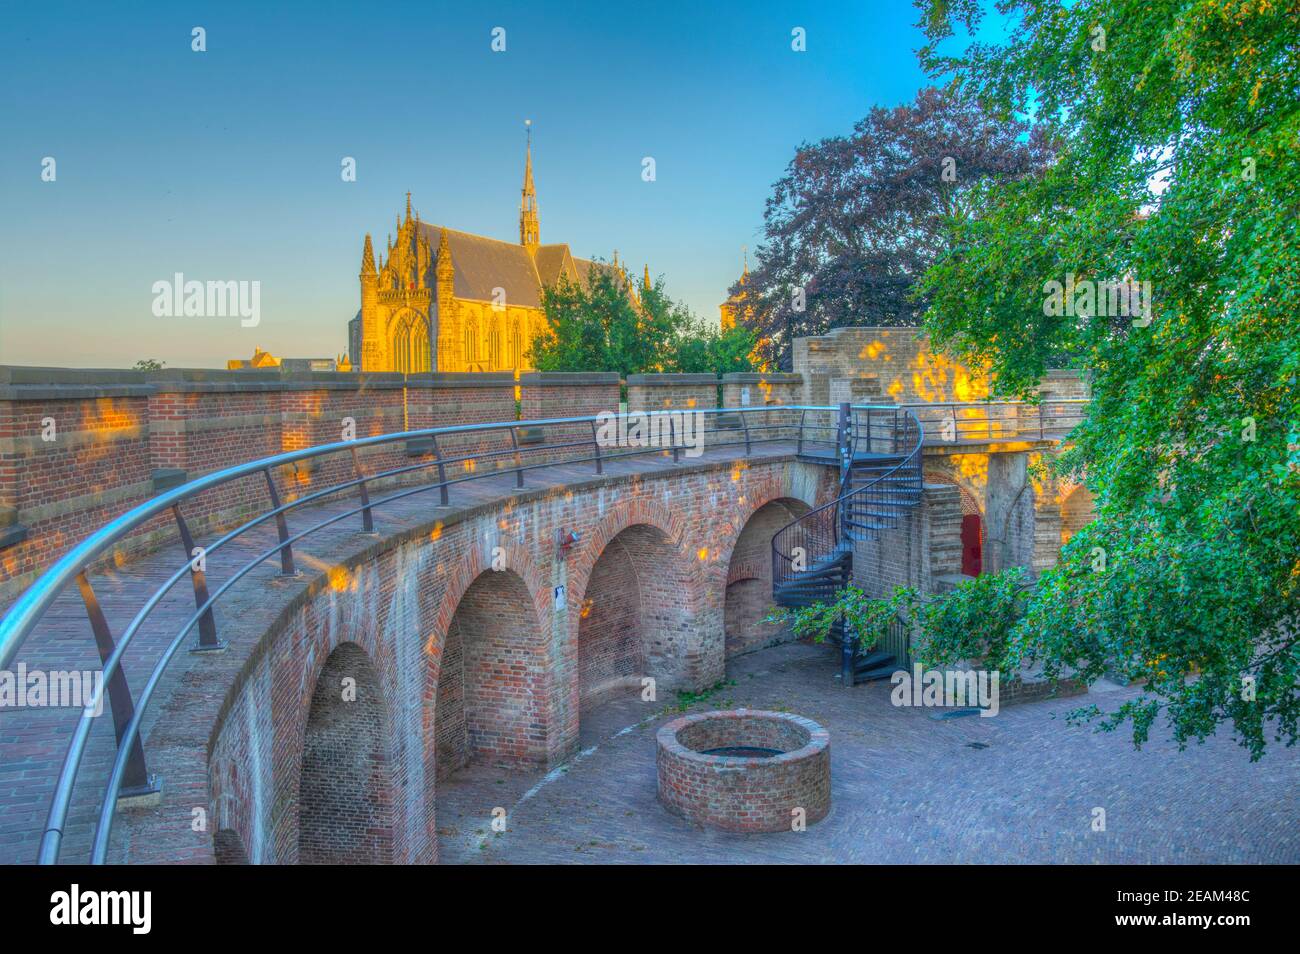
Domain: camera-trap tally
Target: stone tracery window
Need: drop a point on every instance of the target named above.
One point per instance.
(411, 345)
(516, 346)
(471, 342)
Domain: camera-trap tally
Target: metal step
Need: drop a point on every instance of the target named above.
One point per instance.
(872, 659)
(879, 672)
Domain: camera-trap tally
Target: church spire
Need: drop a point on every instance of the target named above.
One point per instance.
(529, 231)
(367, 258)
(408, 206)
(646, 281)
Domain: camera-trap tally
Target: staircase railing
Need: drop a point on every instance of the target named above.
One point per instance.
(819, 534)
(886, 443)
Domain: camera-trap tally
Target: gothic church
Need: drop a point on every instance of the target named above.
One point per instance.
(446, 300)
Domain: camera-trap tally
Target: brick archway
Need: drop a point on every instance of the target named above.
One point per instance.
(345, 811)
(749, 576)
(636, 596)
(491, 691)
(972, 531)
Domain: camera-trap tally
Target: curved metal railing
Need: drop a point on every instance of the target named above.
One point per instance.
(820, 532)
(578, 441)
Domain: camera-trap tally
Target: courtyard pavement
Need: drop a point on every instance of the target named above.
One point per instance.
(905, 787)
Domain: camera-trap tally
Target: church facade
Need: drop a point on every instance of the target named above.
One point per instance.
(441, 299)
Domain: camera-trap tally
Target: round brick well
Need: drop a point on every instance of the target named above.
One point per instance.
(745, 770)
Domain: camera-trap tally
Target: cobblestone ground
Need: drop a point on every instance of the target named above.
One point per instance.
(906, 787)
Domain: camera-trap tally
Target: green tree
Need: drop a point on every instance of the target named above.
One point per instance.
(602, 326)
(148, 364)
(1178, 167)
(705, 350)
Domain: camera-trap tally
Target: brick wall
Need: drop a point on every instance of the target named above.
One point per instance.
(758, 390)
(74, 453)
(472, 664)
(662, 392)
(447, 399)
(118, 438)
(1065, 384)
(896, 361)
(1076, 510)
(546, 395)
(769, 391)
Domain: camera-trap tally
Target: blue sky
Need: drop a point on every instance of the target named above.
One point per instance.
(225, 165)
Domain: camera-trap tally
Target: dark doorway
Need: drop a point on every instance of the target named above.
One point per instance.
(972, 548)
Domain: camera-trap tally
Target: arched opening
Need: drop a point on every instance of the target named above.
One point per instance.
(635, 620)
(749, 577)
(491, 692)
(411, 345)
(972, 525)
(228, 848)
(344, 798)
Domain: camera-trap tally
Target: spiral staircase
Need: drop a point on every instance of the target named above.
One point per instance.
(877, 451)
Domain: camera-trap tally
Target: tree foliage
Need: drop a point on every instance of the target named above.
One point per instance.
(600, 325)
(1178, 124)
(867, 618)
(856, 219)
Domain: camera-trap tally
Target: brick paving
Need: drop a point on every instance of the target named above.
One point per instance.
(905, 788)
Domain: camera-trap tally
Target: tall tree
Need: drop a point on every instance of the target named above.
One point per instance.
(1179, 121)
(856, 219)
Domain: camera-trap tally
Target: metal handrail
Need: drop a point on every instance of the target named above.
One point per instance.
(27, 611)
(977, 426)
(834, 512)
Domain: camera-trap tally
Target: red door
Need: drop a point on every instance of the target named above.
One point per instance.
(972, 552)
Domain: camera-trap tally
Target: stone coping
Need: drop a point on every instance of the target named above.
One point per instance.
(755, 377)
(568, 378)
(19, 383)
(462, 379)
(666, 380)
(668, 737)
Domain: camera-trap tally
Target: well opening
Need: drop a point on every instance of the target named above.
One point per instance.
(745, 771)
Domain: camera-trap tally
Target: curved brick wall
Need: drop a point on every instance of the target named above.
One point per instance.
(745, 794)
(476, 665)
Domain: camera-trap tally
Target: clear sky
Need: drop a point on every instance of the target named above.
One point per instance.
(225, 165)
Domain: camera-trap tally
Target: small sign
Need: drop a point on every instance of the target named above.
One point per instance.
(559, 597)
(744, 396)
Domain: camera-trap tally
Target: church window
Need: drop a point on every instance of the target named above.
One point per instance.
(471, 341)
(516, 346)
(411, 346)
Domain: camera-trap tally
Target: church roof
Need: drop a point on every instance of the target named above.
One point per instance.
(554, 261)
(482, 264)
